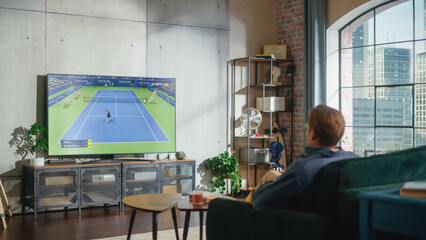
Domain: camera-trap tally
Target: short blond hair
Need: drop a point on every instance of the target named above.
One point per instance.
(328, 123)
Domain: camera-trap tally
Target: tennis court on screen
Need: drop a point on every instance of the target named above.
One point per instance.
(130, 120)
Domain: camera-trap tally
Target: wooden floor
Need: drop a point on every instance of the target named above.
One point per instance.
(93, 223)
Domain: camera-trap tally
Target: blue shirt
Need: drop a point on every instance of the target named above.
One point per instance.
(297, 177)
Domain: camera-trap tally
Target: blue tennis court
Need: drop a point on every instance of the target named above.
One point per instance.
(130, 120)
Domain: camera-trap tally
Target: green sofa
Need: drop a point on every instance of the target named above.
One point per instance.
(333, 211)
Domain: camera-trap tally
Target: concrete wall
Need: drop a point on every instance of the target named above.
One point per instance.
(185, 39)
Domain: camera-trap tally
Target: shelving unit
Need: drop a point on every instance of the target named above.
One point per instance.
(253, 77)
(55, 186)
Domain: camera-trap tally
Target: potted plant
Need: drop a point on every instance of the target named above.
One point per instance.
(224, 167)
(36, 142)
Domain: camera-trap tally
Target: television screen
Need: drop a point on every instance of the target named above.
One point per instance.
(102, 115)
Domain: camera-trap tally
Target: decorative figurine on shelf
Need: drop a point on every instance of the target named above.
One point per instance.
(280, 157)
(276, 73)
(276, 149)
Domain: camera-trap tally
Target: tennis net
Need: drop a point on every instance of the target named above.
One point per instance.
(112, 99)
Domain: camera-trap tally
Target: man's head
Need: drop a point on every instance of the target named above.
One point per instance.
(326, 126)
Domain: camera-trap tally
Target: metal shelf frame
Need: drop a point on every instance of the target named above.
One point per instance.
(232, 64)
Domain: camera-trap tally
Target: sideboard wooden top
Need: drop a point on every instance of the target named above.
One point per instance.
(118, 162)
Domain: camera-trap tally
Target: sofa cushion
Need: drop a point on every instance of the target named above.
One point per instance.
(228, 219)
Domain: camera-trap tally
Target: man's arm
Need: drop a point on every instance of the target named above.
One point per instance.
(278, 192)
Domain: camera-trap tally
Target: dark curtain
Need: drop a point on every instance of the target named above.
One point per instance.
(315, 86)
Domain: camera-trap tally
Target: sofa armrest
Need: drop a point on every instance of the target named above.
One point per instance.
(229, 219)
(349, 206)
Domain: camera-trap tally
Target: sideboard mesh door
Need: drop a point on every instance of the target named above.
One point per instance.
(178, 177)
(100, 185)
(57, 188)
(140, 179)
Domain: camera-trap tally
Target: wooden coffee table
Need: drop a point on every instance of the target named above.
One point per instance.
(155, 203)
(185, 205)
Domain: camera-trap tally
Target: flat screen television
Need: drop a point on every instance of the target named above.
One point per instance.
(108, 115)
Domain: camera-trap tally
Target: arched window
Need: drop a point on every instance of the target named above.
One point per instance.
(382, 78)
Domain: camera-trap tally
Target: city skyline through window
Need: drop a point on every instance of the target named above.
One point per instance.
(382, 78)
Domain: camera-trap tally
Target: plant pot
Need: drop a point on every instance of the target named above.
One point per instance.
(37, 161)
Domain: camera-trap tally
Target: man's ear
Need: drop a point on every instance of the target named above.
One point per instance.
(314, 134)
(311, 134)
(313, 137)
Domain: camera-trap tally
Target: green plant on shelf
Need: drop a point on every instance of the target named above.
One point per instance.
(224, 166)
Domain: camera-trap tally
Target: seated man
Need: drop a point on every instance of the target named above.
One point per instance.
(324, 130)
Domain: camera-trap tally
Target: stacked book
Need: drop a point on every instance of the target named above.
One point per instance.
(414, 189)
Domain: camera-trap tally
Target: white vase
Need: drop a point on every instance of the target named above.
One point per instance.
(228, 186)
(37, 161)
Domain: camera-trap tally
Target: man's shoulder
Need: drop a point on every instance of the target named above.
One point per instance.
(346, 154)
(325, 154)
(319, 158)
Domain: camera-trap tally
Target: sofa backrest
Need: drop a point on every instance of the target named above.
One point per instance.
(396, 167)
(333, 192)
(329, 184)
(373, 173)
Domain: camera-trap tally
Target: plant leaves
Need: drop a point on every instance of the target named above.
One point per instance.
(224, 166)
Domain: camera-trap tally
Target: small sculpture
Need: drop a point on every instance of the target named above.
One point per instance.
(276, 73)
(275, 148)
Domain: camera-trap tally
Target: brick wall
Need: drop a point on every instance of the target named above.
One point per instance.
(290, 32)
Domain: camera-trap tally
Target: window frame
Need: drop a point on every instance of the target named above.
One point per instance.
(414, 126)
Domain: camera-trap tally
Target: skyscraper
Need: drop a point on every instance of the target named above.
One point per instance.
(420, 98)
(387, 105)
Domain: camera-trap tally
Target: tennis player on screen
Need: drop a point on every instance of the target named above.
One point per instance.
(67, 102)
(108, 115)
